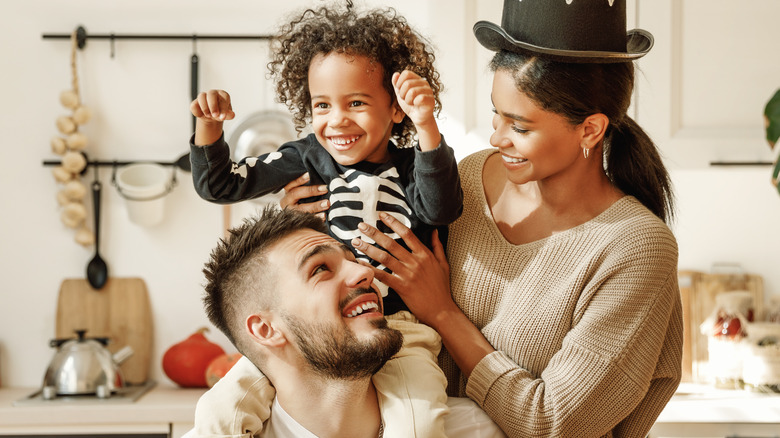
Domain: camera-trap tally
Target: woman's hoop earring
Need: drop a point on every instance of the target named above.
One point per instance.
(585, 152)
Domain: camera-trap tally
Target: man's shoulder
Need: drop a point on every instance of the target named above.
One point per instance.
(239, 401)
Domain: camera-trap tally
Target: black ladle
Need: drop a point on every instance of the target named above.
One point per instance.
(97, 270)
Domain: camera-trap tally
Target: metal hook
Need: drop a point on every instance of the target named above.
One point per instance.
(81, 37)
(111, 44)
(194, 44)
(114, 166)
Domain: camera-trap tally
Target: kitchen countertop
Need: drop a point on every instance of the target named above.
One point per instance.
(168, 404)
(696, 403)
(161, 404)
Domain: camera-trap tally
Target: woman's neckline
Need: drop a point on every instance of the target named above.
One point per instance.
(554, 236)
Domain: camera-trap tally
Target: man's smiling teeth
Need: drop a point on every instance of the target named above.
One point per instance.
(362, 308)
(513, 160)
(343, 141)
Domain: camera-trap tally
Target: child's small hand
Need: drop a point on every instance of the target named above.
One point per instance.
(415, 96)
(212, 105)
(210, 109)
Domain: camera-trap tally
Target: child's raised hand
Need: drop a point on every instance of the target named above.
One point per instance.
(415, 96)
(210, 109)
(212, 105)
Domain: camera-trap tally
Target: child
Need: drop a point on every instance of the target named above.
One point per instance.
(340, 71)
(362, 81)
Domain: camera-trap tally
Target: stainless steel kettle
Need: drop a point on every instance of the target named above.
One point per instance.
(84, 366)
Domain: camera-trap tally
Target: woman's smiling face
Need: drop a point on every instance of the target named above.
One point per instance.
(535, 144)
(352, 112)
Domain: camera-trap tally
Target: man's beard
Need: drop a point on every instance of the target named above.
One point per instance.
(335, 352)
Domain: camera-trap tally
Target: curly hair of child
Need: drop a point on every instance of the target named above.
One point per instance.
(381, 35)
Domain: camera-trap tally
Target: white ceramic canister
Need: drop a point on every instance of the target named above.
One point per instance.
(144, 185)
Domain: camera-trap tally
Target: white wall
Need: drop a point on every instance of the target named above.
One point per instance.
(729, 216)
(701, 97)
(140, 100)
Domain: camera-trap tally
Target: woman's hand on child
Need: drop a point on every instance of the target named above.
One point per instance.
(296, 190)
(420, 276)
(213, 105)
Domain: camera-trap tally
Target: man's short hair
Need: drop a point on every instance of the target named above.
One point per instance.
(237, 279)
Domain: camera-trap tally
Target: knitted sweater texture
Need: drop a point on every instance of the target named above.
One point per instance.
(587, 323)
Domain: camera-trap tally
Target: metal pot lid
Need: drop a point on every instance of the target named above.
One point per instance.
(261, 133)
(81, 342)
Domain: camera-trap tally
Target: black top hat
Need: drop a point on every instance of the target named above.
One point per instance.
(567, 30)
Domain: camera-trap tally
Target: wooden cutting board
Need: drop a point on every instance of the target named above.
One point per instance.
(119, 311)
(685, 280)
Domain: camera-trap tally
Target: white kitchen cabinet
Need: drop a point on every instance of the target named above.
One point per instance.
(162, 412)
(141, 430)
(700, 92)
(179, 429)
(703, 87)
(716, 430)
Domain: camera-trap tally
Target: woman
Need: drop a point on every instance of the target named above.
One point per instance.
(561, 316)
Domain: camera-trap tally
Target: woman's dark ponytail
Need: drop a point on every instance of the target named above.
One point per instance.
(634, 166)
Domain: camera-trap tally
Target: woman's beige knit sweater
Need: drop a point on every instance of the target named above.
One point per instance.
(587, 323)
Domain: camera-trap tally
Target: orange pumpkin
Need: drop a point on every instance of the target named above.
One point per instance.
(185, 363)
(220, 366)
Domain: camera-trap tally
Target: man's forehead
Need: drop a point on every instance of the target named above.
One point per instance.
(298, 244)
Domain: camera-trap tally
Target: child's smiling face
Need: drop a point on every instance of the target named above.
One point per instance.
(352, 112)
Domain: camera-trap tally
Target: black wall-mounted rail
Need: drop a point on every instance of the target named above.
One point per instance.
(183, 163)
(82, 36)
(101, 163)
(741, 163)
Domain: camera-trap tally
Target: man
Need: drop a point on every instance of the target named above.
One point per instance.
(297, 304)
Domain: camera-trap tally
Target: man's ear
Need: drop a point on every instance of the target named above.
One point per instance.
(593, 129)
(263, 330)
